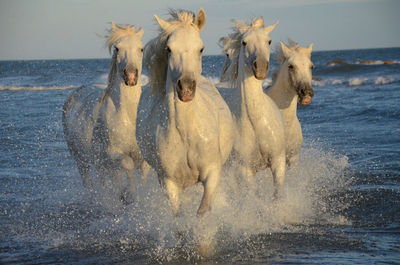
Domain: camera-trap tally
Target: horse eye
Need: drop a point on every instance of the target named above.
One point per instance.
(244, 43)
(227, 55)
(202, 49)
(116, 49)
(269, 42)
(312, 67)
(141, 50)
(168, 49)
(291, 67)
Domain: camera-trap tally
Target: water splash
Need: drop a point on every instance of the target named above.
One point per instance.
(241, 210)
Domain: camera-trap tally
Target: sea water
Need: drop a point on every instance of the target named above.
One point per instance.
(340, 205)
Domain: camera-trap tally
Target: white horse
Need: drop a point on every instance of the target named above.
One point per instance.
(100, 126)
(187, 135)
(292, 83)
(259, 141)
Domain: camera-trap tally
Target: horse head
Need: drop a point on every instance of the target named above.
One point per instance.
(184, 49)
(297, 62)
(255, 46)
(127, 52)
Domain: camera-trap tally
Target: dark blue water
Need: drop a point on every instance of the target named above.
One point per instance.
(341, 205)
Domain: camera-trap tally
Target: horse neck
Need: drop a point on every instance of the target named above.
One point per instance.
(178, 111)
(283, 94)
(121, 94)
(250, 88)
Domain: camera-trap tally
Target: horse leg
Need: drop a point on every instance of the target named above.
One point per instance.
(247, 173)
(293, 160)
(128, 164)
(145, 169)
(174, 192)
(278, 168)
(84, 171)
(210, 184)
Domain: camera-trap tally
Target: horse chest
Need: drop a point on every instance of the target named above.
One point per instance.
(185, 149)
(120, 128)
(294, 136)
(260, 130)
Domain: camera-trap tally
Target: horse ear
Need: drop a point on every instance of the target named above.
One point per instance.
(225, 42)
(200, 20)
(240, 26)
(285, 50)
(140, 32)
(269, 29)
(258, 23)
(309, 49)
(113, 26)
(163, 24)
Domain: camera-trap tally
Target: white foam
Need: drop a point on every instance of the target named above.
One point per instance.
(144, 79)
(357, 81)
(240, 209)
(102, 79)
(319, 83)
(34, 88)
(337, 82)
(383, 80)
(213, 79)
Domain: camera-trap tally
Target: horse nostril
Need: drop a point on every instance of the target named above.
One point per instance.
(186, 84)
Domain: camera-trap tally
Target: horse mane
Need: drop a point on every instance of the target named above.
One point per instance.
(234, 42)
(117, 32)
(292, 45)
(155, 54)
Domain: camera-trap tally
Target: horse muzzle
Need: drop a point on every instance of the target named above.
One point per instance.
(186, 89)
(130, 77)
(260, 69)
(305, 95)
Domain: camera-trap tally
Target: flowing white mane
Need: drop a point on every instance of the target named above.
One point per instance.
(293, 46)
(234, 41)
(155, 54)
(117, 32)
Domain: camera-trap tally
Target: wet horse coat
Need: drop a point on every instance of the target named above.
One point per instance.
(99, 126)
(259, 139)
(293, 83)
(186, 134)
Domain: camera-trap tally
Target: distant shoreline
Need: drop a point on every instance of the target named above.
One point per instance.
(105, 58)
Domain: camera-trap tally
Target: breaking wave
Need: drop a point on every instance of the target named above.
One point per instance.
(34, 88)
(356, 81)
(101, 83)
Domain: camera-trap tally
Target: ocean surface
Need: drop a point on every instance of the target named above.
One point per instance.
(341, 204)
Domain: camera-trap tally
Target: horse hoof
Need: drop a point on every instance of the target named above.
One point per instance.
(127, 198)
(205, 250)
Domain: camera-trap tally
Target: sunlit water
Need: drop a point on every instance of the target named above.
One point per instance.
(341, 205)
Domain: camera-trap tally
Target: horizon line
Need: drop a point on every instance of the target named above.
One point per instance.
(221, 54)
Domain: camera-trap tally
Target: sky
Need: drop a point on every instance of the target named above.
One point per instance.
(70, 29)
